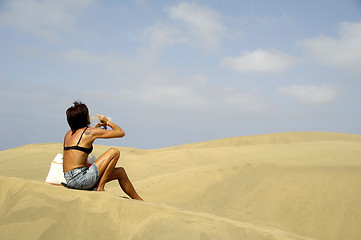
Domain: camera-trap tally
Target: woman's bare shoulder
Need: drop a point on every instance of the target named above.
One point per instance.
(67, 135)
(92, 132)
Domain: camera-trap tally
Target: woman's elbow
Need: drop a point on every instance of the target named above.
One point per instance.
(121, 134)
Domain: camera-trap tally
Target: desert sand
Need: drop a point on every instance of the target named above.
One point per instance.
(301, 185)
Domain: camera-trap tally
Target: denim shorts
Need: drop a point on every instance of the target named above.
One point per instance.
(83, 177)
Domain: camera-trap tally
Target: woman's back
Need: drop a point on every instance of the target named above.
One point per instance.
(77, 146)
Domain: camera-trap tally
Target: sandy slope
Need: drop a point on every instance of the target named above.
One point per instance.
(304, 185)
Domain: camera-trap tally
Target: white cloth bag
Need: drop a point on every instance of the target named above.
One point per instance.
(56, 175)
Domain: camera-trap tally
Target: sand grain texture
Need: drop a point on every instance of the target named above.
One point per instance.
(302, 185)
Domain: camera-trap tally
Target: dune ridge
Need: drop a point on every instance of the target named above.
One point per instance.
(275, 138)
(303, 185)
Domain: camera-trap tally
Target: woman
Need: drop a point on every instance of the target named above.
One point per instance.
(78, 144)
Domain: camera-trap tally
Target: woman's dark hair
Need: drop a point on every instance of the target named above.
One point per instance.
(78, 116)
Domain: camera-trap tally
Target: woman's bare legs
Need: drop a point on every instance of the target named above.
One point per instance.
(124, 182)
(106, 163)
(107, 172)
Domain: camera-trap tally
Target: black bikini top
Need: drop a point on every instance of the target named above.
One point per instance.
(83, 149)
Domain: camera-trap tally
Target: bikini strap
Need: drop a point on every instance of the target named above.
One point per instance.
(81, 136)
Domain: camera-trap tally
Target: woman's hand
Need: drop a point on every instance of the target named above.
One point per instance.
(103, 121)
(117, 132)
(102, 118)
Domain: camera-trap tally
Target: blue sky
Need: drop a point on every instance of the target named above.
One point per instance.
(176, 72)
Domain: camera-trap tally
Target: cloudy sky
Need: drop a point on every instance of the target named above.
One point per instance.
(175, 72)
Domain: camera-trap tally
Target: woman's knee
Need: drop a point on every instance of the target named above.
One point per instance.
(110, 155)
(114, 151)
(122, 170)
(119, 172)
(122, 173)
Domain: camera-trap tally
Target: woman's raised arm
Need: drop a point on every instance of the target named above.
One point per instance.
(116, 131)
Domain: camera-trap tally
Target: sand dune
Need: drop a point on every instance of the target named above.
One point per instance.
(303, 185)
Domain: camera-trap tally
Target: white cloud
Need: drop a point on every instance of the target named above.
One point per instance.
(342, 52)
(194, 25)
(42, 18)
(311, 93)
(160, 36)
(264, 61)
(202, 24)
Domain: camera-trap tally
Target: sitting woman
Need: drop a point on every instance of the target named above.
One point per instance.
(78, 144)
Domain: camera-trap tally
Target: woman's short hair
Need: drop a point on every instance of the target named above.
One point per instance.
(77, 116)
